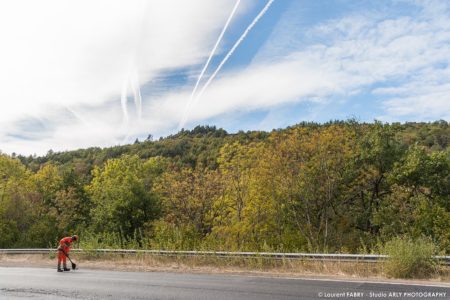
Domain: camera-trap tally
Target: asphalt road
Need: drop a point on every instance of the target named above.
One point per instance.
(40, 283)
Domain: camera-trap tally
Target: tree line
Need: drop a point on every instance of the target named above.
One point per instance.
(342, 186)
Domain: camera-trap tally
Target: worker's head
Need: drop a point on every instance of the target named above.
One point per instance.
(74, 237)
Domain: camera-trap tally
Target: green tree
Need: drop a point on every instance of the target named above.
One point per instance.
(122, 195)
(236, 162)
(379, 150)
(187, 196)
(419, 203)
(317, 166)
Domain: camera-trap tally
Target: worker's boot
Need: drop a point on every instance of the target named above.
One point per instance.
(59, 268)
(65, 268)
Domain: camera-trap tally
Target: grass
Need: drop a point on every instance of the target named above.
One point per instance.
(235, 264)
(221, 265)
(410, 258)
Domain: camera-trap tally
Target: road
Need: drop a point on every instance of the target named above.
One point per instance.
(41, 283)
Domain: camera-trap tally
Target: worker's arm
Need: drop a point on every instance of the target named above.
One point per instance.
(65, 242)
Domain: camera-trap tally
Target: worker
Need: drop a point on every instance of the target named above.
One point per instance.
(63, 251)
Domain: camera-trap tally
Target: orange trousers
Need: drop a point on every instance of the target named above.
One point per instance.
(61, 256)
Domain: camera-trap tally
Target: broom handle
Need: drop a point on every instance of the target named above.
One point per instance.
(66, 254)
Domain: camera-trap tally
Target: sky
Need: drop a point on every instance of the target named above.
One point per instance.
(77, 74)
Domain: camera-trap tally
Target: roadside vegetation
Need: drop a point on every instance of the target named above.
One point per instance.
(222, 265)
(411, 258)
(338, 187)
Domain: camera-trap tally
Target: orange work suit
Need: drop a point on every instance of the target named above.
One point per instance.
(64, 245)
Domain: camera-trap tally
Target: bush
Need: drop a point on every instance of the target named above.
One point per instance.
(410, 258)
(168, 236)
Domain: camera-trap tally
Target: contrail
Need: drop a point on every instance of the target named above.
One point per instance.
(78, 116)
(123, 102)
(126, 119)
(238, 42)
(131, 81)
(132, 77)
(135, 86)
(187, 108)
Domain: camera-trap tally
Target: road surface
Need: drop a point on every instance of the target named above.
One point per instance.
(41, 283)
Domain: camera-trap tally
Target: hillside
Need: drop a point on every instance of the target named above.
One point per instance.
(339, 186)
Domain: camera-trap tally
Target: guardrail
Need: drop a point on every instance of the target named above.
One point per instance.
(268, 255)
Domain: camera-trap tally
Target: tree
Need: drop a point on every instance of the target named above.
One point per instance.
(122, 196)
(419, 204)
(17, 208)
(235, 166)
(379, 150)
(316, 166)
(187, 197)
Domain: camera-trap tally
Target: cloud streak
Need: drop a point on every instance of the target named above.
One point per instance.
(235, 46)
(403, 62)
(213, 51)
(58, 54)
(399, 63)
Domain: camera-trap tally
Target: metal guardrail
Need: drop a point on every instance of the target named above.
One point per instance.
(268, 255)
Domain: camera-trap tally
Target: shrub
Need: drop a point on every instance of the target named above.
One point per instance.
(410, 258)
(168, 236)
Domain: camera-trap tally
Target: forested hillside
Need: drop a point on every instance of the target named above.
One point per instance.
(335, 187)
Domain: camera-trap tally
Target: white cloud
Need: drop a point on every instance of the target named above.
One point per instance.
(77, 54)
(403, 60)
(409, 54)
(259, 86)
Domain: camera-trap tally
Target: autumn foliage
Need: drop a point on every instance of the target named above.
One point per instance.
(335, 187)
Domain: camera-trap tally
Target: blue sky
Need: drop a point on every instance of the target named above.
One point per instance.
(80, 74)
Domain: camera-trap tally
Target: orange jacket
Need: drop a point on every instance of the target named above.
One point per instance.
(66, 243)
